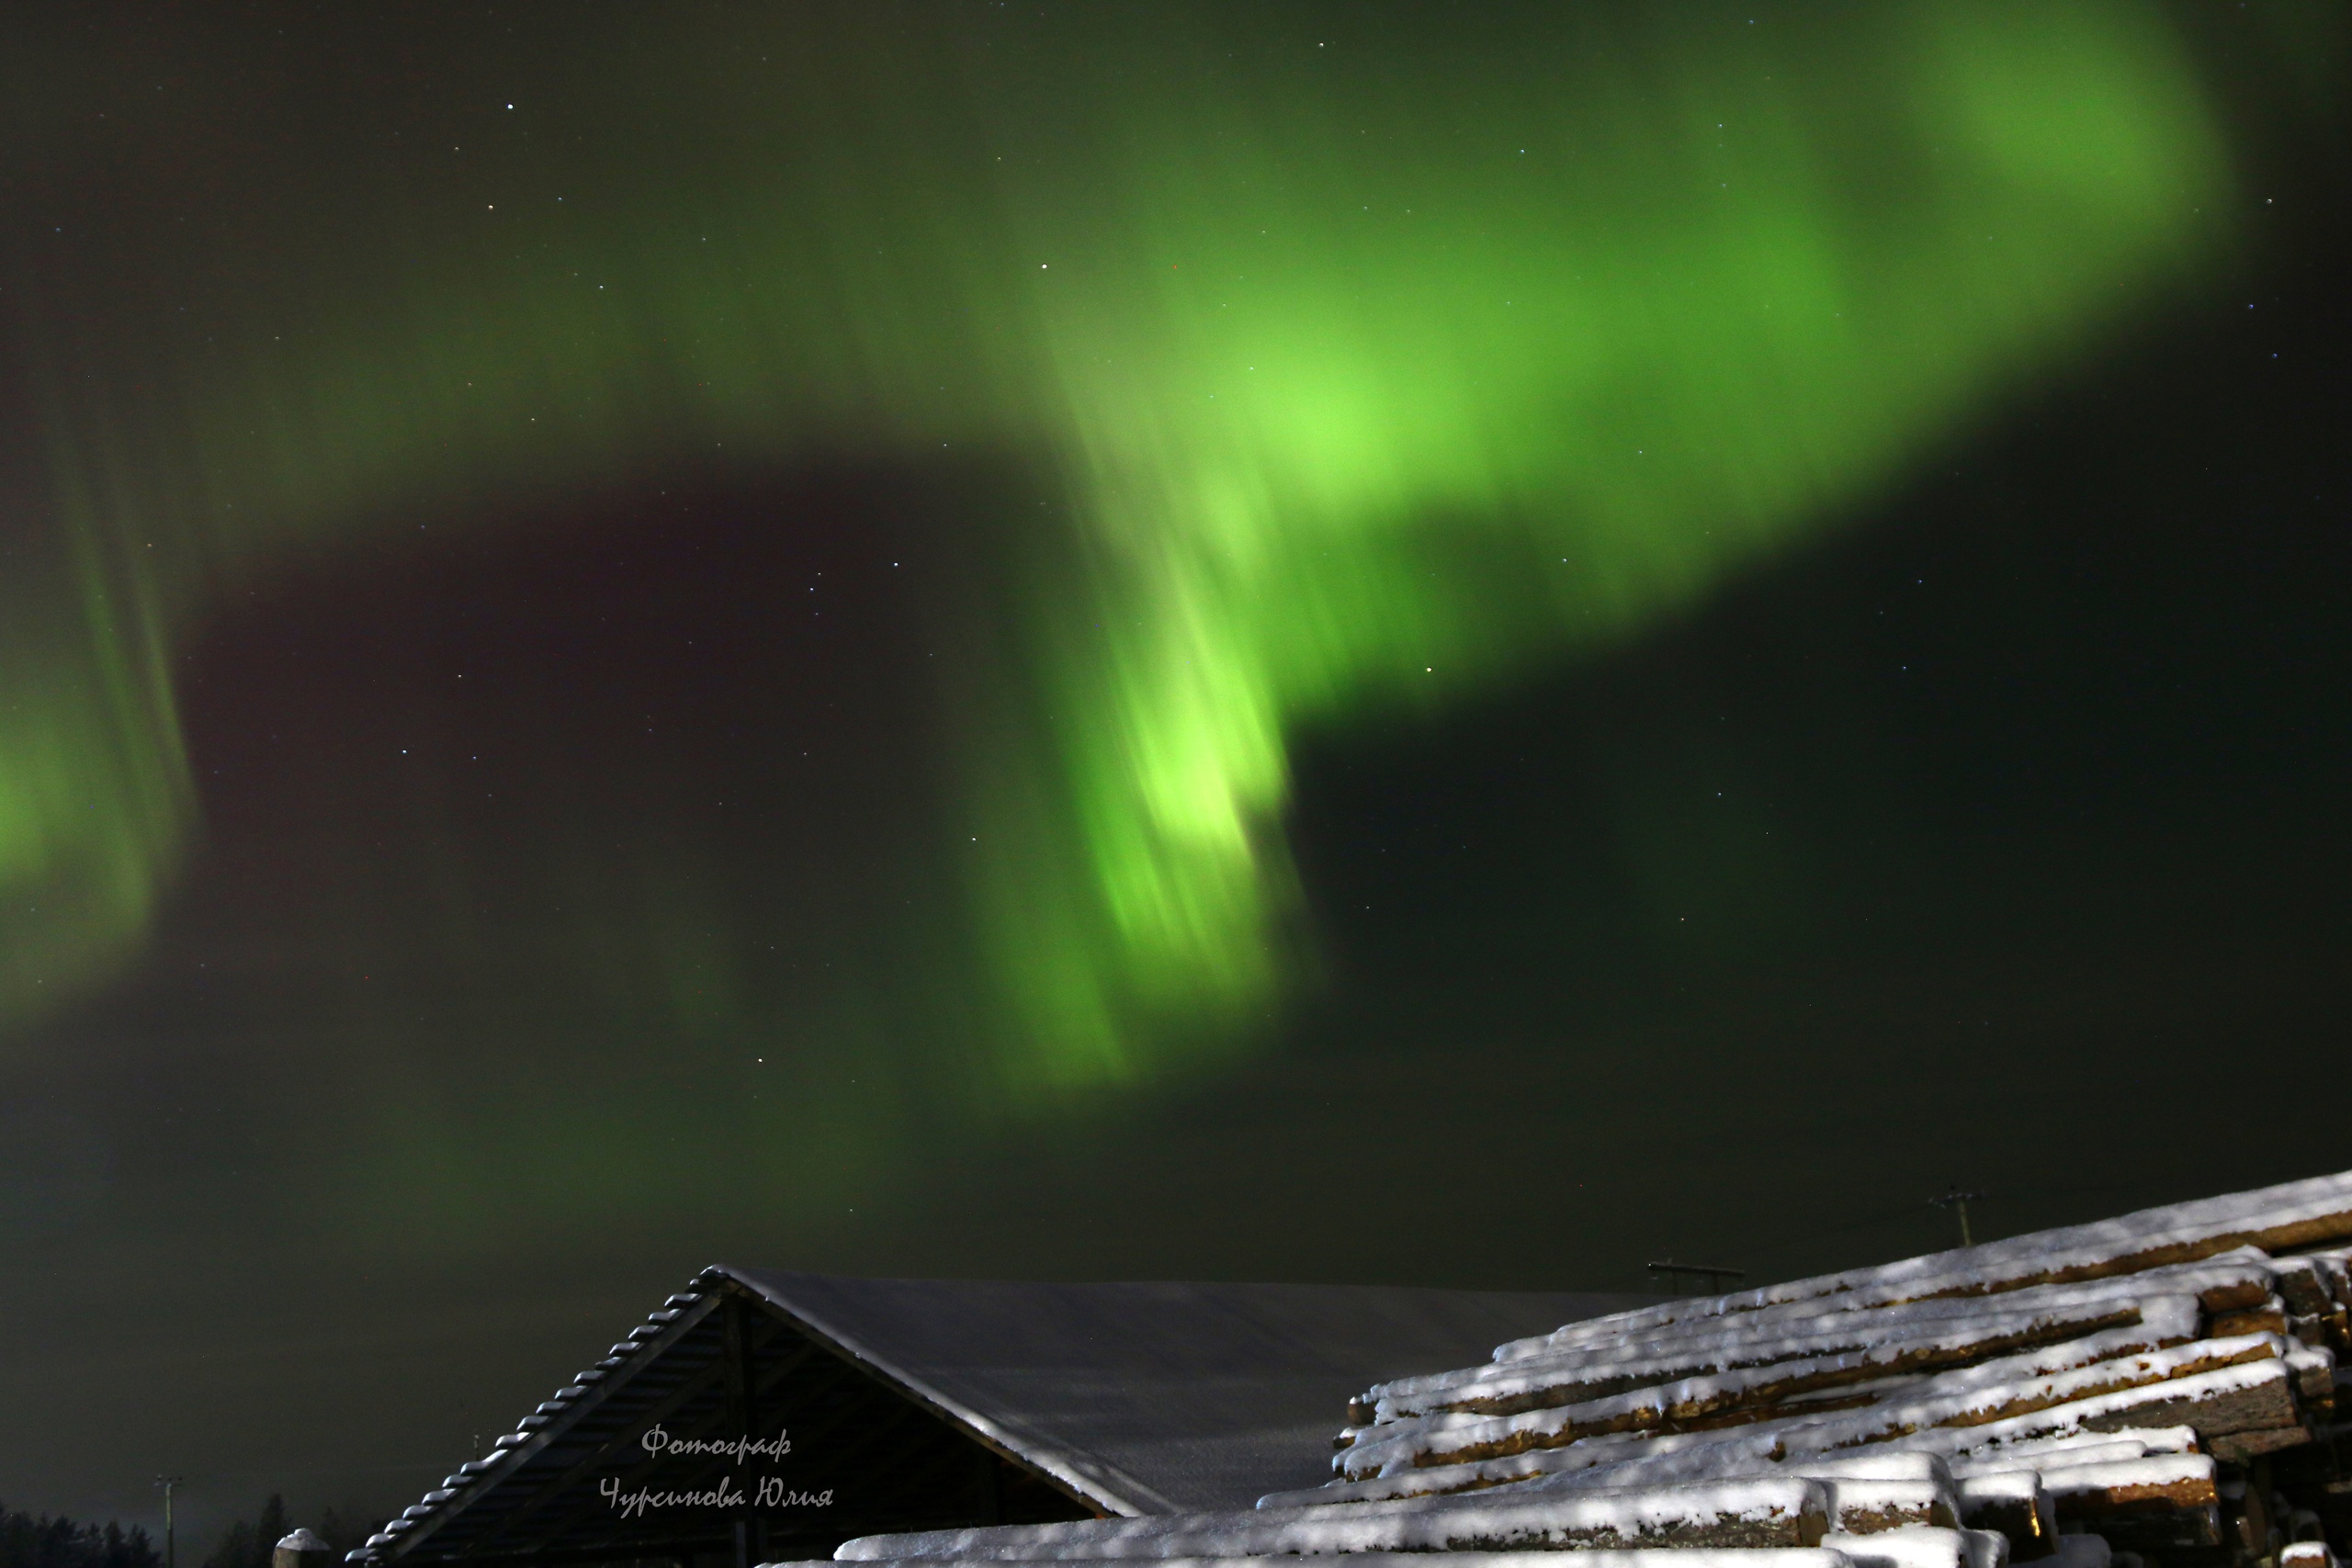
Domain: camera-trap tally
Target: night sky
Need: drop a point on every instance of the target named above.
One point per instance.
(1452, 646)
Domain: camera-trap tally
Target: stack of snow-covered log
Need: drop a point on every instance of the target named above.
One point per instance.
(2160, 1386)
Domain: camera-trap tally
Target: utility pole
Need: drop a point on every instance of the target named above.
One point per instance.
(171, 1551)
(1957, 1201)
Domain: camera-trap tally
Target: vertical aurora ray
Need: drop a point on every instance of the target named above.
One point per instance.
(1374, 366)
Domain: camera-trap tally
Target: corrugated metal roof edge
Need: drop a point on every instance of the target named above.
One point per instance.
(457, 1491)
(1088, 1478)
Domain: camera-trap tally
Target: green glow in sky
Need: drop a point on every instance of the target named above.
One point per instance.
(1374, 368)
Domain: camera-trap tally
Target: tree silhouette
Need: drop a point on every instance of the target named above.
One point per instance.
(44, 1542)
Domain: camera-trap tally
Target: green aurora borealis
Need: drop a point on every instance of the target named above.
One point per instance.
(1459, 644)
(1371, 374)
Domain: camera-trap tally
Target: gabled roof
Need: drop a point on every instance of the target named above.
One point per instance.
(1123, 1398)
(1151, 1398)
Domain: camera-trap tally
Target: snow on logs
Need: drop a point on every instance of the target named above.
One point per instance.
(1887, 1340)
(2091, 1378)
(1748, 1512)
(2297, 1214)
(1922, 1546)
(2113, 1362)
(2129, 1394)
(1652, 1557)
